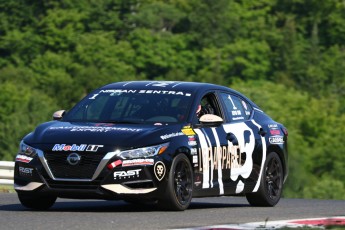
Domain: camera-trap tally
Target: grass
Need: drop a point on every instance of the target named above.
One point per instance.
(6, 189)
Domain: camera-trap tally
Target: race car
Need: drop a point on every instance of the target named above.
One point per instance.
(159, 141)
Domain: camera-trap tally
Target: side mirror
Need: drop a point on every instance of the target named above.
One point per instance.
(211, 120)
(58, 114)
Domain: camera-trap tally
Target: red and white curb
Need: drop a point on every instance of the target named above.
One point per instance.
(321, 223)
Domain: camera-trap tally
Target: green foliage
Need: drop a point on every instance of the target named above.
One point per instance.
(287, 55)
(315, 143)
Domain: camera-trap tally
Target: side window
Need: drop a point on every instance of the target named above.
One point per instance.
(236, 108)
(208, 105)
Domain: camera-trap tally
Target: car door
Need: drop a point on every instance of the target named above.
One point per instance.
(246, 145)
(211, 143)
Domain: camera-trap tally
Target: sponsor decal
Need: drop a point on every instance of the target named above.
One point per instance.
(114, 164)
(236, 113)
(188, 131)
(197, 181)
(95, 129)
(73, 159)
(273, 126)
(25, 171)
(136, 162)
(234, 159)
(237, 118)
(114, 92)
(191, 138)
(93, 148)
(195, 159)
(64, 147)
(127, 174)
(75, 147)
(276, 140)
(192, 143)
(193, 151)
(159, 170)
(275, 132)
(23, 158)
(167, 136)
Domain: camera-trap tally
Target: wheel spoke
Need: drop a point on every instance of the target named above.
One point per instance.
(182, 180)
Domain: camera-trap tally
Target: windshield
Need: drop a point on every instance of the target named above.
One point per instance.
(131, 106)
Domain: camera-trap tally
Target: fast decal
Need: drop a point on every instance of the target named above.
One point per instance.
(75, 147)
(127, 174)
(136, 162)
(167, 136)
(159, 170)
(25, 171)
(95, 129)
(23, 158)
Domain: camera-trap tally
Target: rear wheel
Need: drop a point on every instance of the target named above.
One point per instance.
(271, 183)
(39, 202)
(178, 194)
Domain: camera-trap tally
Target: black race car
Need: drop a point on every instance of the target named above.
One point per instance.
(159, 141)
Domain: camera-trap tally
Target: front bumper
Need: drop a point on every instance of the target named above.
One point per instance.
(138, 178)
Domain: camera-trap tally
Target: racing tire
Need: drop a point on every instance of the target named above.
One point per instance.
(271, 183)
(179, 190)
(37, 202)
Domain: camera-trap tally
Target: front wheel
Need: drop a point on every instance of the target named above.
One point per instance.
(38, 202)
(178, 194)
(271, 183)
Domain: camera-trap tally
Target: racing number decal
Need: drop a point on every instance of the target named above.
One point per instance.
(229, 161)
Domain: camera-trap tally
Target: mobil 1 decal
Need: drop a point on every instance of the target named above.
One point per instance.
(225, 156)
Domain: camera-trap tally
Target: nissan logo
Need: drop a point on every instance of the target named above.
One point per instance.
(73, 159)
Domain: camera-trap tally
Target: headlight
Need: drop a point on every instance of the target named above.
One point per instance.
(143, 152)
(26, 149)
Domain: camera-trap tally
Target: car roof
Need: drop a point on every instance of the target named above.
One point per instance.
(192, 87)
(166, 85)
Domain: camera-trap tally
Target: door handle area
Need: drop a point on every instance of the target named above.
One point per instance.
(262, 132)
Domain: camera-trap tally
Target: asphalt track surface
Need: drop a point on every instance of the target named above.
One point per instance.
(98, 214)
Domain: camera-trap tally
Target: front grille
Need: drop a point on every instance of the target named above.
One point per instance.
(57, 162)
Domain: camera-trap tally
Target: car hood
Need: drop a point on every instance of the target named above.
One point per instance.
(120, 135)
